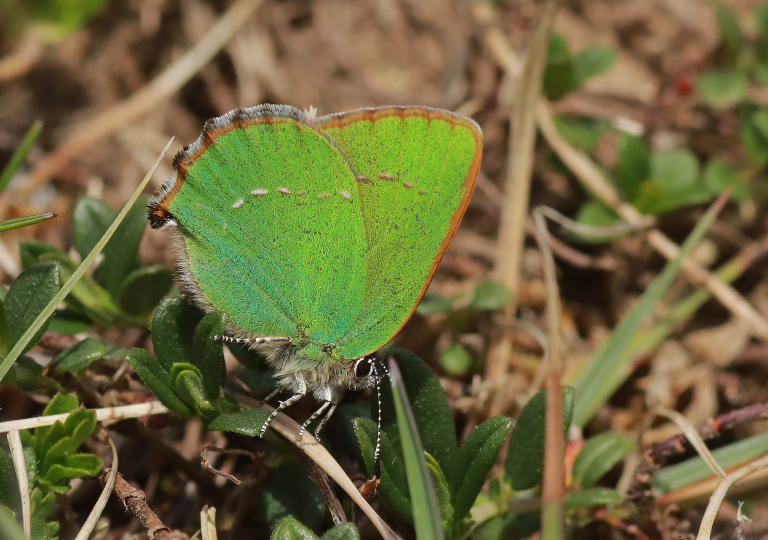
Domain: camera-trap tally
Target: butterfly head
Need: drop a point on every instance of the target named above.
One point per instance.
(365, 373)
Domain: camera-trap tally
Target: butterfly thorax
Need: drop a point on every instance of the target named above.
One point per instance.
(314, 366)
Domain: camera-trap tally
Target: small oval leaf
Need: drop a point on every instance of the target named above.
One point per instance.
(599, 455)
(593, 497)
(143, 289)
(246, 422)
(525, 456)
(289, 528)
(157, 380)
(28, 296)
(173, 331)
(79, 356)
(208, 354)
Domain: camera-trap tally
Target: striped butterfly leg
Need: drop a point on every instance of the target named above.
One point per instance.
(300, 393)
(329, 403)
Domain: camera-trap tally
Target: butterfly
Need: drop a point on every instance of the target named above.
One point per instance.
(318, 236)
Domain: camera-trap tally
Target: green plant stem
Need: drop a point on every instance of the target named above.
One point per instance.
(426, 516)
(8, 361)
(611, 365)
(18, 156)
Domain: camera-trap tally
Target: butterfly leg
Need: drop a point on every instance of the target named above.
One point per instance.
(252, 341)
(325, 419)
(300, 392)
(328, 401)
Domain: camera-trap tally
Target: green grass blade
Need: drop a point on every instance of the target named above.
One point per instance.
(610, 367)
(18, 157)
(694, 469)
(8, 528)
(18, 223)
(426, 516)
(8, 361)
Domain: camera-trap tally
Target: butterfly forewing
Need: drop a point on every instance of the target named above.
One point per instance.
(415, 171)
(271, 222)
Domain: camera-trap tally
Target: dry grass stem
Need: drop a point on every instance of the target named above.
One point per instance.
(108, 414)
(690, 432)
(705, 530)
(208, 523)
(98, 508)
(20, 465)
(162, 86)
(514, 210)
(289, 429)
(553, 487)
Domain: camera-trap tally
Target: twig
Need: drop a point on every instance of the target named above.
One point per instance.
(289, 429)
(705, 530)
(162, 86)
(230, 451)
(553, 487)
(19, 463)
(514, 209)
(135, 504)
(98, 508)
(693, 438)
(641, 491)
(110, 413)
(324, 485)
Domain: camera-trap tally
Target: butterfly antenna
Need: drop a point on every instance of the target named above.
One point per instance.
(377, 452)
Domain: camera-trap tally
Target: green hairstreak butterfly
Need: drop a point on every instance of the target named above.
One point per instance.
(318, 236)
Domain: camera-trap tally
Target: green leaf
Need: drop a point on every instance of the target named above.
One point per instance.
(718, 176)
(560, 74)
(157, 380)
(90, 465)
(5, 335)
(342, 531)
(426, 515)
(673, 169)
(246, 422)
(476, 458)
(722, 88)
(753, 138)
(28, 296)
(430, 409)
(583, 133)
(9, 530)
(634, 164)
(26, 221)
(61, 404)
(20, 154)
(730, 30)
(595, 214)
(91, 219)
(189, 387)
(69, 323)
(289, 491)
(79, 356)
(87, 297)
(9, 488)
(41, 508)
(525, 456)
(490, 296)
(599, 455)
(456, 360)
(394, 485)
(442, 492)
(593, 497)
(290, 529)
(590, 62)
(143, 289)
(208, 354)
(432, 303)
(173, 331)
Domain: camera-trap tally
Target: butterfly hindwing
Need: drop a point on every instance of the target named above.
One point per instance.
(415, 171)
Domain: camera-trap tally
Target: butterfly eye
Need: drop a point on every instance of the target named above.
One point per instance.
(363, 368)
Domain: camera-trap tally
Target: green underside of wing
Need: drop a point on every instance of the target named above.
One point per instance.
(342, 264)
(404, 226)
(281, 263)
